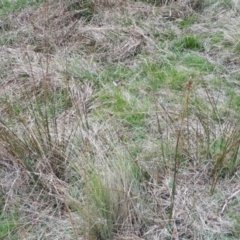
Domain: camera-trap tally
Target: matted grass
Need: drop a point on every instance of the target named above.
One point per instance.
(119, 120)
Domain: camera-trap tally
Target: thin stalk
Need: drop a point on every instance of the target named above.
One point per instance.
(176, 157)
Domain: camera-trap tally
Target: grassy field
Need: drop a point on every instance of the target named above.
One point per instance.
(119, 120)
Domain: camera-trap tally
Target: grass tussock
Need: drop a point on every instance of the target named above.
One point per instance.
(119, 120)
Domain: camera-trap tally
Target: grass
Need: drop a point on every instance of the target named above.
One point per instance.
(8, 225)
(126, 128)
(189, 42)
(198, 63)
(187, 22)
(8, 7)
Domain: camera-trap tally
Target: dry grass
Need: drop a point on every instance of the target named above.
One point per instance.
(119, 121)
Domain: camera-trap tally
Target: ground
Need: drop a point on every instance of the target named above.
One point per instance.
(119, 119)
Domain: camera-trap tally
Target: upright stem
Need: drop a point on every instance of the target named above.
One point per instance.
(176, 157)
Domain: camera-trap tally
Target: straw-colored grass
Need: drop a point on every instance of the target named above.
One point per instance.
(119, 120)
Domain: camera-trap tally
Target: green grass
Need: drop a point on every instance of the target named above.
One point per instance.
(8, 226)
(189, 43)
(124, 106)
(236, 230)
(198, 63)
(8, 7)
(8, 39)
(233, 100)
(160, 76)
(237, 47)
(217, 38)
(187, 22)
(101, 200)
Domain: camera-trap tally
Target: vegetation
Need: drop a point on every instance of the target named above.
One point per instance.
(119, 120)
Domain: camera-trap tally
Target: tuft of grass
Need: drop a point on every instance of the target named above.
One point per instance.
(104, 209)
(110, 199)
(189, 43)
(187, 22)
(198, 63)
(124, 106)
(166, 75)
